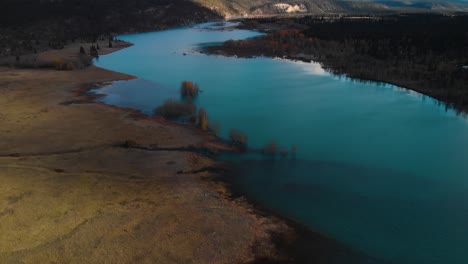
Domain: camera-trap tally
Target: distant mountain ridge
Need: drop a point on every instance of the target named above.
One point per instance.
(235, 8)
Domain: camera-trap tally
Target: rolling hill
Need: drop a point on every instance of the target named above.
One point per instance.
(233, 8)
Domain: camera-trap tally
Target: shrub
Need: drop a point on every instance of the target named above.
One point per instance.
(189, 89)
(270, 148)
(237, 137)
(202, 119)
(61, 65)
(69, 66)
(173, 109)
(93, 51)
(57, 62)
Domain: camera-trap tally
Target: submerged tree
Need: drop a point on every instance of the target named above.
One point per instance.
(238, 138)
(215, 128)
(173, 109)
(189, 89)
(270, 148)
(202, 119)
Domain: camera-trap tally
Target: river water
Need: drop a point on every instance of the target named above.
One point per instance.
(379, 168)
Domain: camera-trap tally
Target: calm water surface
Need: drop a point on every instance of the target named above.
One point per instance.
(382, 169)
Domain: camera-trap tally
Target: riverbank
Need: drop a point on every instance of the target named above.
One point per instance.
(358, 143)
(395, 49)
(71, 192)
(74, 190)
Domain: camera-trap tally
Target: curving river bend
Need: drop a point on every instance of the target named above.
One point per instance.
(382, 169)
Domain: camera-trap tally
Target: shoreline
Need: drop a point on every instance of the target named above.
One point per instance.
(403, 85)
(61, 135)
(255, 47)
(295, 241)
(101, 188)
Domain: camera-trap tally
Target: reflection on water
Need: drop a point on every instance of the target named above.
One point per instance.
(313, 68)
(128, 94)
(359, 206)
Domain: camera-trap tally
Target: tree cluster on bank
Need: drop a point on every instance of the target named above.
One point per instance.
(184, 110)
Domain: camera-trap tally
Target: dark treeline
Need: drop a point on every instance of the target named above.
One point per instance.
(29, 24)
(427, 53)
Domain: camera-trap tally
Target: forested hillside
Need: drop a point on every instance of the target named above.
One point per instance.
(427, 53)
(268, 7)
(27, 25)
(35, 25)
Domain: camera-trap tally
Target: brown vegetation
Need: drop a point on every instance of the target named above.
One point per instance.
(62, 65)
(202, 119)
(238, 138)
(189, 89)
(214, 128)
(270, 148)
(173, 109)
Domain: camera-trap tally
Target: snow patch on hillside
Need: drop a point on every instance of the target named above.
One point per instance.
(287, 8)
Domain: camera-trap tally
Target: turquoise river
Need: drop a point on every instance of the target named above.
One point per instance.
(381, 169)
